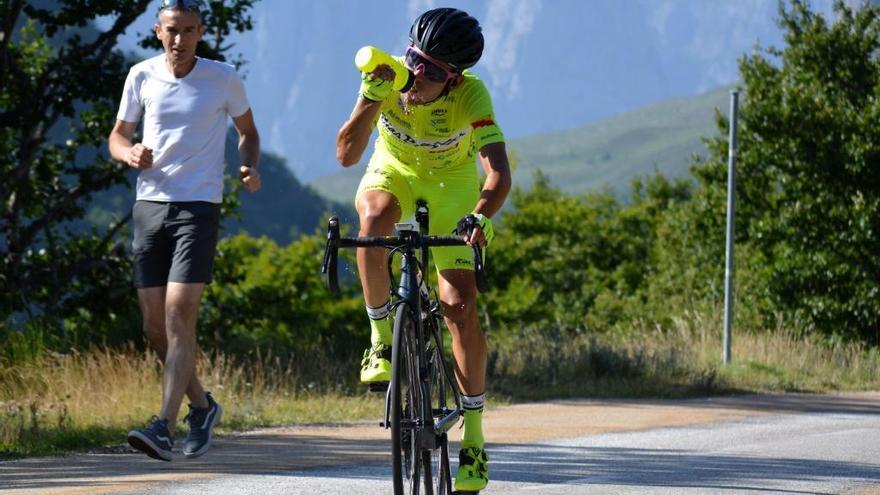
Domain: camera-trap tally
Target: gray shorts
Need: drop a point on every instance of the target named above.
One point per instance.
(174, 242)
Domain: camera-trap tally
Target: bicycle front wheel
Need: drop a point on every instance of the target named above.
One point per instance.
(406, 459)
(437, 471)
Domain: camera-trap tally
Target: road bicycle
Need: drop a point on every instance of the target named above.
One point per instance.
(422, 400)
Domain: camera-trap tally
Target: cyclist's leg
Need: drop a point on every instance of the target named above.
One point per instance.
(458, 294)
(383, 197)
(452, 199)
(449, 199)
(378, 211)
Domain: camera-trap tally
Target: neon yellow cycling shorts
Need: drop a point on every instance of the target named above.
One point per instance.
(450, 196)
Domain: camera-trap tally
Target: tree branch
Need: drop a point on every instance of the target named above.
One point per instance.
(107, 40)
(8, 24)
(27, 234)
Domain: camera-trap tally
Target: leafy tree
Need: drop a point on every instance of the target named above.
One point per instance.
(60, 79)
(576, 262)
(270, 298)
(808, 198)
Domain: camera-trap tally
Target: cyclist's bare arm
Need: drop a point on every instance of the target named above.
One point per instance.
(493, 159)
(353, 137)
(122, 149)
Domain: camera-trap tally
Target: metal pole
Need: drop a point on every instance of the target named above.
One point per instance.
(731, 190)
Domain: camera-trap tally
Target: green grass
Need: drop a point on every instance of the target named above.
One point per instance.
(66, 402)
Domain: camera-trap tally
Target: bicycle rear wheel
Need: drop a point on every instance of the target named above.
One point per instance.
(437, 468)
(407, 461)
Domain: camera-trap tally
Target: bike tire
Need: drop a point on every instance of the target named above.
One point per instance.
(406, 462)
(438, 458)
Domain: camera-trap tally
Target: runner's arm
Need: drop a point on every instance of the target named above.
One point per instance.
(248, 151)
(248, 139)
(121, 148)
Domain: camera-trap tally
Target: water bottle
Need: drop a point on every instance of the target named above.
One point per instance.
(369, 57)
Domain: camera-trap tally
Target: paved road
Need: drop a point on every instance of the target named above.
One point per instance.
(791, 444)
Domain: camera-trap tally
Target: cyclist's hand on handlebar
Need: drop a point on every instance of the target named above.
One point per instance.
(476, 229)
(139, 157)
(376, 86)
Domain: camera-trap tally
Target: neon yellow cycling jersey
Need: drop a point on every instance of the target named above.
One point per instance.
(428, 152)
(441, 135)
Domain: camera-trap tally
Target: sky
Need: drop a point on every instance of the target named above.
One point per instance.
(550, 65)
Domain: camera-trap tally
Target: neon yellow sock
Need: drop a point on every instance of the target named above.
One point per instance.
(380, 331)
(473, 429)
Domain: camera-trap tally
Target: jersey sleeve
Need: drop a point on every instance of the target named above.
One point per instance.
(236, 98)
(481, 114)
(131, 107)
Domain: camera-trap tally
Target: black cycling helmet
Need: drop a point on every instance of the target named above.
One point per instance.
(449, 35)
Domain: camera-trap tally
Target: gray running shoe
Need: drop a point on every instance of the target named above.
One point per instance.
(201, 425)
(155, 440)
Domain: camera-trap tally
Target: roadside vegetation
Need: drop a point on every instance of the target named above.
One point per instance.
(590, 296)
(89, 400)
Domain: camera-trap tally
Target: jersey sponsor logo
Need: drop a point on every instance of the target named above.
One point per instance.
(435, 145)
(437, 112)
(482, 123)
(400, 120)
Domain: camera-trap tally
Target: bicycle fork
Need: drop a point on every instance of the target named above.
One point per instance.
(412, 355)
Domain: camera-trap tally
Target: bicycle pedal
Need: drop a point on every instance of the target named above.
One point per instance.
(377, 387)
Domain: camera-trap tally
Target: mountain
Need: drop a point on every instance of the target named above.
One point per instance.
(661, 137)
(284, 208)
(549, 65)
(611, 152)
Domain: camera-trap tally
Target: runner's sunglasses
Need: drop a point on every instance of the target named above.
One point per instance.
(434, 70)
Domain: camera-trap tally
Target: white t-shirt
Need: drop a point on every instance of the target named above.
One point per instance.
(184, 124)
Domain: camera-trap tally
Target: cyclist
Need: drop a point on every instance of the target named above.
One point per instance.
(428, 138)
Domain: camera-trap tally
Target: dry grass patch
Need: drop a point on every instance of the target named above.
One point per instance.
(69, 401)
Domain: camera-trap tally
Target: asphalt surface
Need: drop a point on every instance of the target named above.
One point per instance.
(796, 444)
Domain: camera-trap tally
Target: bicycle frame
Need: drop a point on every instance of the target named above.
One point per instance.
(421, 348)
(424, 313)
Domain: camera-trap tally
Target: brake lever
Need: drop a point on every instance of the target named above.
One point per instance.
(331, 255)
(466, 227)
(479, 270)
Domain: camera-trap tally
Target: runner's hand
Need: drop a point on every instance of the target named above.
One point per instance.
(139, 157)
(250, 178)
